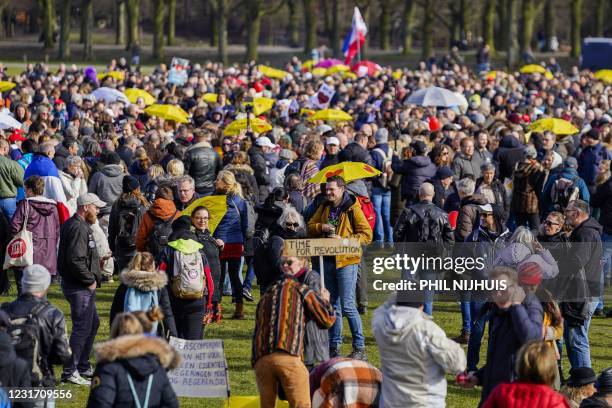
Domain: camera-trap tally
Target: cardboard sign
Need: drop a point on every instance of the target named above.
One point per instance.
(321, 247)
(178, 71)
(321, 99)
(203, 369)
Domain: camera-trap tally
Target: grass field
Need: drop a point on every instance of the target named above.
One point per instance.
(237, 339)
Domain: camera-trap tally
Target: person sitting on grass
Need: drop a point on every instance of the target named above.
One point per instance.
(580, 385)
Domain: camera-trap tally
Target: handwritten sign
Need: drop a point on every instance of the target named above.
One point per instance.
(203, 369)
(178, 71)
(321, 247)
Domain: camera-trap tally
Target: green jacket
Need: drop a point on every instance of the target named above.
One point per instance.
(11, 177)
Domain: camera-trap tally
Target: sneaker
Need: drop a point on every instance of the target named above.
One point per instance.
(107, 279)
(75, 378)
(246, 293)
(599, 313)
(362, 309)
(88, 374)
(358, 354)
(334, 352)
(463, 338)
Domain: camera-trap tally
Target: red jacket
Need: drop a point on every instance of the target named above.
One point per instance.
(525, 395)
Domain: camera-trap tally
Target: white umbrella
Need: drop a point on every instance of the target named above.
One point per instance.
(8, 122)
(110, 95)
(435, 96)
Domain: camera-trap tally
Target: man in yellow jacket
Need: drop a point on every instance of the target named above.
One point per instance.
(341, 217)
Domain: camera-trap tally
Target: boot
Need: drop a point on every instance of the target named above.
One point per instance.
(239, 312)
(463, 338)
(216, 313)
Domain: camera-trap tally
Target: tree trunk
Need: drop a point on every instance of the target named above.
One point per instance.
(292, 25)
(600, 17)
(48, 19)
(385, 25)
(326, 17)
(502, 11)
(120, 22)
(213, 24)
(171, 21)
(310, 23)
(133, 14)
(335, 29)
(158, 30)
(427, 27)
(407, 17)
(253, 23)
(528, 16)
(549, 23)
(455, 28)
(488, 25)
(511, 56)
(576, 22)
(222, 30)
(464, 19)
(64, 44)
(87, 30)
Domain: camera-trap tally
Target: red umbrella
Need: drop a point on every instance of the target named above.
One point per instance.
(365, 67)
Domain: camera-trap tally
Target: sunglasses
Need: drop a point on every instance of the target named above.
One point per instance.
(292, 224)
(287, 262)
(551, 223)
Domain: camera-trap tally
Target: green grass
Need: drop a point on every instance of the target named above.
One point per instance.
(237, 338)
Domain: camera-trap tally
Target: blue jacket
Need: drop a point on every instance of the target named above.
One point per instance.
(233, 225)
(378, 161)
(589, 160)
(415, 171)
(546, 200)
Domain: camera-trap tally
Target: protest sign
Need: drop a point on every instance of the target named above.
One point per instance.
(321, 99)
(203, 369)
(178, 71)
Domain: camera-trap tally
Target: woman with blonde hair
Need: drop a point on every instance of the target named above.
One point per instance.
(132, 367)
(157, 175)
(232, 230)
(312, 152)
(175, 168)
(144, 288)
(140, 166)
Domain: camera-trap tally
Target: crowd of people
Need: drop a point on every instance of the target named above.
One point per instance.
(95, 190)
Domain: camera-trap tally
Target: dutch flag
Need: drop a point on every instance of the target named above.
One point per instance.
(355, 38)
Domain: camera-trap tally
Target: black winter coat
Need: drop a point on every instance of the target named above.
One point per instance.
(78, 262)
(415, 171)
(405, 228)
(212, 253)
(262, 172)
(120, 249)
(587, 251)
(54, 347)
(139, 357)
(354, 152)
(602, 199)
(203, 164)
(14, 371)
(509, 153)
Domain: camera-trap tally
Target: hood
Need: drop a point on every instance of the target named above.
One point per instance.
(112, 170)
(163, 208)
(420, 161)
(138, 345)
(61, 151)
(397, 320)
(7, 351)
(509, 142)
(568, 173)
(144, 281)
(358, 187)
(476, 199)
(245, 168)
(514, 254)
(592, 224)
(128, 202)
(186, 246)
(44, 206)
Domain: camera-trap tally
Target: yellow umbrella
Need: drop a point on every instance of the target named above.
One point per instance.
(604, 75)
(397, 74)
(349, 171)
(531, 68)
(257, 125)
(348, 74)
(319, 71)
(217, 207)
(134, 93)
(273, 72)
(261, 105)
(308, 112)
(6, 86)
(548, 75)
(555, 125)
(168, 112)
(116, 75)
(338, 68)
(210, 97)
(331, 114)
(307, 65)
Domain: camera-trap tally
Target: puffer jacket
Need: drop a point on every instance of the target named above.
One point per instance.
(527, 183)
(352, 224)
(233, 225)
(525, 395)
(161, 209)
(108, 185)
(464, 166)
(139, 357)
(203, 164)
(415, 171)
(54, 347)
(407, 337)
(516, 254)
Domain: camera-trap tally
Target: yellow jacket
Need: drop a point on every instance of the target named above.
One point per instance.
(552, 333)
(359, 229)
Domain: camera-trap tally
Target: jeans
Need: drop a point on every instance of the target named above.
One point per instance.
(232, 267)
(429, 294)
(8, 207)
(466, 316)
(476, 334)
(341, 286)
(250, 276)
(577, 341)
(381, 199)
(85, 323)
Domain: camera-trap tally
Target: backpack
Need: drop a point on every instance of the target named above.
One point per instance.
(159, 236)
(387, 172)
(261, 245)
(295, 167)
(251, 218)
(25, 336)
(563, 191)
(188, 281)
(368, 210)
(426, 229)
(128, 227)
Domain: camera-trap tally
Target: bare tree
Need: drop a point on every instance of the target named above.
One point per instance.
(133, 15)
(87, 30)
(310, 23)
(511, 56)
(334, 38)
(158, 29)
(385, 24)
(220, 9)
(488, 25)
(407, 17)
(600, 17)
(171, 22)
(64, 41)
(529, 12)
(120, 22)
(429, 7)
(48, 23)
(549, 23)
(255, 12)
(293, 34)
(576, 22)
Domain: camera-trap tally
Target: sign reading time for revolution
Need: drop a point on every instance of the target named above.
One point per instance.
(321, 247)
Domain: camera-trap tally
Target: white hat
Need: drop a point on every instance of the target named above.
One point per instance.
(321, 129)
(264, 141)
(332, 141)
(486, 208)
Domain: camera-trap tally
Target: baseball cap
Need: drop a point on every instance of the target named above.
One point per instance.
(333, 140)
(17, 136)
(486, 208)
(419, 147)
(90, 198)
(264, 141)
(322, 129)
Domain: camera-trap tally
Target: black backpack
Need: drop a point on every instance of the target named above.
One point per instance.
(25, 336)
(129, 221)
(295, 167)
(426, 228)
(159, 235)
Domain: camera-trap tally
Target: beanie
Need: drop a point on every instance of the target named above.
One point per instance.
(130, 184)
(529, 273)
(36, 278)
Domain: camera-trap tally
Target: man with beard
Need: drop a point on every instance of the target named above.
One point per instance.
(79, 266)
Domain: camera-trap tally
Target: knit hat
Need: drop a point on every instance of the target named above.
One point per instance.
(130, 184)
(529, 273)
(36, 278)
(381, 135)
(580, 376)
(570, 163)
(444, 172)
(604, 381)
